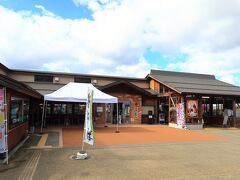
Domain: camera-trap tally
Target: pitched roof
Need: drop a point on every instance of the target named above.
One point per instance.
(147, 92)
(18, 86)
(194, 83)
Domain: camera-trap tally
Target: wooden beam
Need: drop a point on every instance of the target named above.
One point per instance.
(172, 101)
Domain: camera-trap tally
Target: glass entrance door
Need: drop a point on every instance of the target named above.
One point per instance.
(124, 112)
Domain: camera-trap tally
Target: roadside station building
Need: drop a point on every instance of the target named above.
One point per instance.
(204, 98)
(153, 99)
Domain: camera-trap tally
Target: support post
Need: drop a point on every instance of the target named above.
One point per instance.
(117, 131)
(169, 106)
(43, 111)
(45, 114)
(234, 112)
(105, 119)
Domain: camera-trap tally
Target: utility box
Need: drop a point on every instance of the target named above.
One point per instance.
(150, 117)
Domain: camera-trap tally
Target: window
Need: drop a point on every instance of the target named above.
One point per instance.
(48, 109)
(25, 110)
(217, 107)
(206, 107)
(57, 109)
(43, 78)
(237, 110)
(162, 88)
(79, 108)
(69, 108)
(82, 80)
(19, 111)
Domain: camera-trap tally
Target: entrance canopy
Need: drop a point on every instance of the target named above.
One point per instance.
(77, 92)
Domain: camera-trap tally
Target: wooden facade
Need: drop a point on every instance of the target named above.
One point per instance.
(209, 106)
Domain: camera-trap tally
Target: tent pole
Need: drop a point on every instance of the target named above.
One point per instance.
(105, 119)
(83, 134)
(117, 131)
(43, 115)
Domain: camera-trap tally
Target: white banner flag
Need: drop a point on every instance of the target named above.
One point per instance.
(88, 125)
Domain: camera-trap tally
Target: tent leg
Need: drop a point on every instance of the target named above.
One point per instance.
(117, 131)
(43, 111)
(105, 120)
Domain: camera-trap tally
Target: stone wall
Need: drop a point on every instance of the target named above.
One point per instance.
(135, 106)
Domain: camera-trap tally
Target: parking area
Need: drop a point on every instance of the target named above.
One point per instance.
(178, 154)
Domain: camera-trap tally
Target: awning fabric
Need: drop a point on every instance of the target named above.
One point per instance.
(77, 92)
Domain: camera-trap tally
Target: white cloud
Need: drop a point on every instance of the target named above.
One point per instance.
(115, 40)
(96, 5)
(44, 11)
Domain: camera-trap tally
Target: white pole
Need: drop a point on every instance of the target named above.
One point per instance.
(6, 121)
(83, 134)
(42, 115)
(105, 120)
(117, 131)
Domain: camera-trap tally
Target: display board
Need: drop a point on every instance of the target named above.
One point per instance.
(192, 108)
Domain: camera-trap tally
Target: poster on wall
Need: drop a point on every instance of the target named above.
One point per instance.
(3, 143)
(180, 115)
(1, 105)
(192, 108)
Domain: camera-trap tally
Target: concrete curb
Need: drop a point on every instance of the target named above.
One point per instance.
(14, 150)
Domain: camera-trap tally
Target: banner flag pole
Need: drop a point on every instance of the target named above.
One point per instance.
(42, 115)
(88, 131)
(83, 137)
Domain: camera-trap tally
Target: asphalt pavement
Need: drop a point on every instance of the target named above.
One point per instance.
(180, 160)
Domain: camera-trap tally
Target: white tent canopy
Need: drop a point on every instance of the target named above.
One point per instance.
(77, 92)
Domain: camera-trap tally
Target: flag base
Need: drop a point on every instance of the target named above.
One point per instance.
(117, 131)
(81, 155)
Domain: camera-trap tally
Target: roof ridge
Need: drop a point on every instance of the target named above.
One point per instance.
(182, 74)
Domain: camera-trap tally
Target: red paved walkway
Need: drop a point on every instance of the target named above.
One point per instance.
(135, 135)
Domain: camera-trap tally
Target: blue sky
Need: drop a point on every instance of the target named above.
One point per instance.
(122, 37)
(63, 8)
(67, 9)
